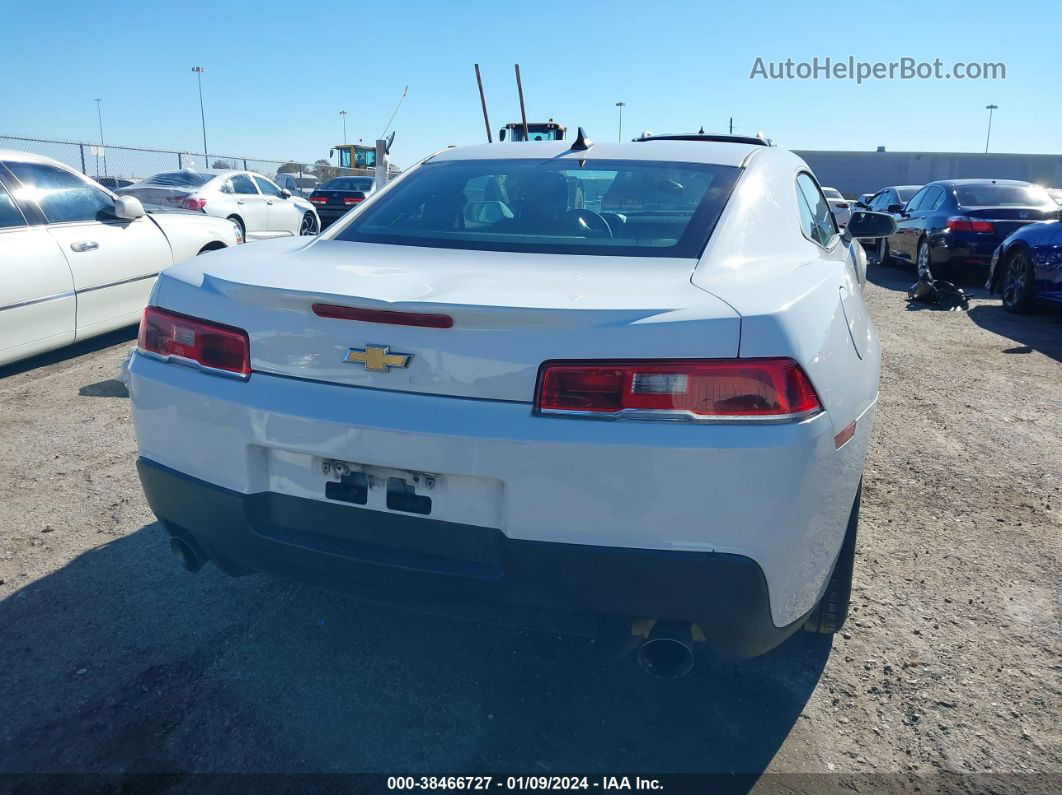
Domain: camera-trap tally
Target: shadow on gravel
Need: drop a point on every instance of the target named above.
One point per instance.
(127, 334)
(112, 387)
(122, 662)
(1040, 330)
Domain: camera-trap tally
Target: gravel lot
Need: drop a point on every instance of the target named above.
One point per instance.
(116, 661)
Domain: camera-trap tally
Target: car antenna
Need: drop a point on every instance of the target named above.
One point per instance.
(701, 131)
(581, 142)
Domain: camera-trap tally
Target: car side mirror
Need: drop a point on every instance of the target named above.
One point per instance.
(865, 224)
(128, 208)
(895, 208)
(285, 193)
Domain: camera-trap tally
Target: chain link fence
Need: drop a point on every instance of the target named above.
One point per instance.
(110, 164)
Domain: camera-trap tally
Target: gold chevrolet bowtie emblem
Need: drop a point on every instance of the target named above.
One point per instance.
(377, 358)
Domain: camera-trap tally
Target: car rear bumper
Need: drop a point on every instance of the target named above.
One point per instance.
(778, 495)
(330, 215)
(466, 571)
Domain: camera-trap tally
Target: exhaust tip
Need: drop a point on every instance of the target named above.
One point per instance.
(668, 652)
(186, 555)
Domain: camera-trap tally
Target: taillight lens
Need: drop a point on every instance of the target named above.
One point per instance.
(352, 199)
(193, 203)
(169, 335)
(842, 206)
(961, 224)
(724, 389)
(319, 199)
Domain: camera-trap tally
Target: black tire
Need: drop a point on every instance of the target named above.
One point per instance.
(924, 269)
(830, 613)
(884, 257)
(310, 225)
(239, 222)
(1018, 282)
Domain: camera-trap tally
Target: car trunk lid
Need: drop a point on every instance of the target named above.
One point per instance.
(1005, 220)
(509, 313)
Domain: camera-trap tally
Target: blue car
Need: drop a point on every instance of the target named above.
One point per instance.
(1027, 267)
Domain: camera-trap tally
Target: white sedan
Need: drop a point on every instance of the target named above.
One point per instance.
(839, 206)
(77, 261)
(258, 205)
(635, 396)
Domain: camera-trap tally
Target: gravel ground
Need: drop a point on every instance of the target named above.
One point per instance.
(116, 661)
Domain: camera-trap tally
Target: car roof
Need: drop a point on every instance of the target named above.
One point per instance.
(709, 152)
(29, 157)
(1015, 182)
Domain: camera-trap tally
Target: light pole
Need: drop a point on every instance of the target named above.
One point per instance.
(343, 113)
(988, 138)
(621, 106)
(99, 115)
(202, 114)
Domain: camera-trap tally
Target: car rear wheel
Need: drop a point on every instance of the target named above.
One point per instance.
(239, 222)
(309, 225)
(923, 262)
(830, 613)
(1018, 290)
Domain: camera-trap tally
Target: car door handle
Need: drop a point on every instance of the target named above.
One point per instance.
(240, 201)
(84, 245)
(269, 201)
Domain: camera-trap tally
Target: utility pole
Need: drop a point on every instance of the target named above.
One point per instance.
(202, 114)
(343, 113)
(731, 125)
(99, 115)
(621, 106)
(988, 138)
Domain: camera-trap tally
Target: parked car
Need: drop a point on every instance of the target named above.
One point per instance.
(1027, 267)
(561, 412)
(337, 196)
(299, 185)
(951, 228)
(76, 260)
(114, 183)
(839, 205)
(863, 202)
(259, 206)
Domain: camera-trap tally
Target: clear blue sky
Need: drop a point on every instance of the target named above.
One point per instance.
(278, 73)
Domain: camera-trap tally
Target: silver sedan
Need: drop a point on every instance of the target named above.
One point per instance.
(258, 205)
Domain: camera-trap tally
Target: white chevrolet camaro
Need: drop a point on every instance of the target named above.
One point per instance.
(614, 388)
(76, 260)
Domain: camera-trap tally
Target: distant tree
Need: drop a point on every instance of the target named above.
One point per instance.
(222, 164)
(291, 167)
(324, 170)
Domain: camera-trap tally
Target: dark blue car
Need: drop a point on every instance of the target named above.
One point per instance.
(1027, 267)
(951, 228)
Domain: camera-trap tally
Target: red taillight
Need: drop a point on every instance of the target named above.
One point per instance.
(319, 199)
(421, 319)
(353, 199)
(961, 224)
(213, 345)
(842, 206)
(191, 203)
(722, 388)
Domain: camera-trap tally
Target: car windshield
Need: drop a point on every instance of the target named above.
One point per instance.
(989, 195)
(569, 206)
(905, 194)
(178, 179)
(349, 183)
(306, 182)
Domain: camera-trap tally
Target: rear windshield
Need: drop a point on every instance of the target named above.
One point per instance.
(306, 182)
(178, 179)
(349, 183)
(606, 207)
(1001, 196)
(907, 193)
(830, 193)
